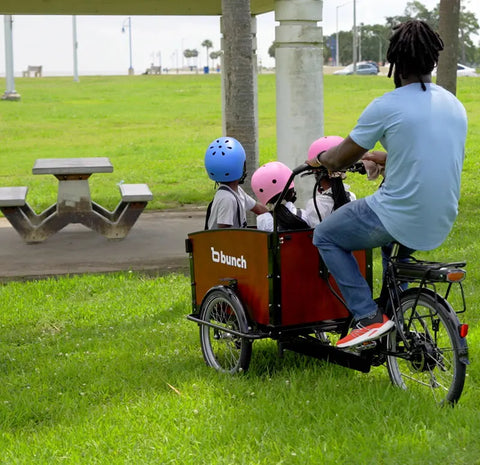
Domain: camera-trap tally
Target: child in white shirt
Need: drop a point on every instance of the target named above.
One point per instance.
(331, 193)
(225, 164)
(268, 182)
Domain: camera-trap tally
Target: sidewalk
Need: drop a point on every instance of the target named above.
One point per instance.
(156, 243)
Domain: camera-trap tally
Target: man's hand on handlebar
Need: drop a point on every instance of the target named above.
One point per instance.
(374, 164)
(376, 156)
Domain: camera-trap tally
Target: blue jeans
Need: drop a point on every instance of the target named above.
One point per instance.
(354, 226)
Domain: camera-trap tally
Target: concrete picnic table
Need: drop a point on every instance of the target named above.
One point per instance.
(74, 203)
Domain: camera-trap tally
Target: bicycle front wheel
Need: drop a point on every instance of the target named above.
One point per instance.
(222, 348)
(430, 355)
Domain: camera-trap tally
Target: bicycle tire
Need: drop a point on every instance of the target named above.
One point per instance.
(222, 350)
(434, 361)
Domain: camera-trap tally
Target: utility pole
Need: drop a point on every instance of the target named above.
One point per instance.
(354, 36)
(75, 47)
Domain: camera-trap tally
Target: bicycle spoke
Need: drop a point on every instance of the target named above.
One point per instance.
(222, 349)
(425, 355)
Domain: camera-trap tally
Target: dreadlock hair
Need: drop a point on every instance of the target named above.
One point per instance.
(414, 48)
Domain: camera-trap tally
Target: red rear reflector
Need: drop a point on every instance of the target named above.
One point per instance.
(463, 330)
(455, 276)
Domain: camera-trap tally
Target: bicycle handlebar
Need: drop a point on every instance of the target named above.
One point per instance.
(357, 167)
(301, 168)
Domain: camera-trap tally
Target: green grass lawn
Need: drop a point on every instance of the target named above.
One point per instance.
(155, 129)
(106, 369)
(102, 369)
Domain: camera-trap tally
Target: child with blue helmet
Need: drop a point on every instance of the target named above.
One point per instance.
(225, 162)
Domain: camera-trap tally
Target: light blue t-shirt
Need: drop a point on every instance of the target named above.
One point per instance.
(424, 135)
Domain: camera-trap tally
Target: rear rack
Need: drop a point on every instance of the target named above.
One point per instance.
(426, 271)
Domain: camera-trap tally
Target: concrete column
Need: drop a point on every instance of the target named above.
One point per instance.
(10, 93)
(299, 83)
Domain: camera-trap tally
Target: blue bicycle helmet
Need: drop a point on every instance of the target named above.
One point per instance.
(225, 159)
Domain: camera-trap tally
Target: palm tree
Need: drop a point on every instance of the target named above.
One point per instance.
(215, 56)
(194, 54)
(449, 20)
(239, 79)
(208, 45)
(189, 54)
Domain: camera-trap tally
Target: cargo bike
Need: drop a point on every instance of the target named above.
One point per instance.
(249, 285)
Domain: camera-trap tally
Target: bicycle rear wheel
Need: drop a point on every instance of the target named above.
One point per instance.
(224, 350)
(431, 357)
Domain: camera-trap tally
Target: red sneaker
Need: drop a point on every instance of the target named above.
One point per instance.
(363, 332)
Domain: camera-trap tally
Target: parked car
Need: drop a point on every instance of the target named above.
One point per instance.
(462, 70)
(363, 67)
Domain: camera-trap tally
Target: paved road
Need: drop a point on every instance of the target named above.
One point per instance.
(155, 243)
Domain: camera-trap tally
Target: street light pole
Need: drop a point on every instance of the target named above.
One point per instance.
(379, 49)
(354, 36)
(129, 25)
(337, 54)
(337, 51)
(75, 48)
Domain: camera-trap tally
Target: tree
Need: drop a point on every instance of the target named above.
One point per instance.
(239, 80)
(468, 26)
(376, 36)
(448, 27)
(415, 10)
(189, 54)
(195, 55)
(374, 42)
(208, 45)
(215, 55)
(271, 50)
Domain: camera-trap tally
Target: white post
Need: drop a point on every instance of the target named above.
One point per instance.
(75, 47)
(128, 23)
(130, 70)
(354, 34)
(359, 37)
(299, 83)
(337, 48)
(10, 92)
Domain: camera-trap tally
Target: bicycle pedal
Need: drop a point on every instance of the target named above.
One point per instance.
(366, 345)
(361, 347)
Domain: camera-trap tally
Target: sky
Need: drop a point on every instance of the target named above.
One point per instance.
(104, 49)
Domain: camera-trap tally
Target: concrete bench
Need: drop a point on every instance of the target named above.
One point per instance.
(13, 196)
(153, 70)
(74, 204)
(14, 206)
(135, 193)
(35, 70)
(119, 222)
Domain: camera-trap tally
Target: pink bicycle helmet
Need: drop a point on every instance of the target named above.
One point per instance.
(322, 144)
(269, 180)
